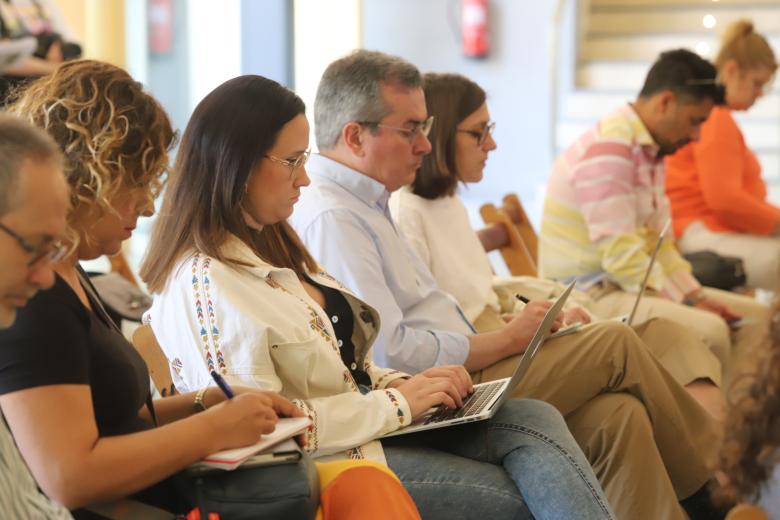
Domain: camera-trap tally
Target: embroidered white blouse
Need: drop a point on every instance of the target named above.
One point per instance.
(257, 326)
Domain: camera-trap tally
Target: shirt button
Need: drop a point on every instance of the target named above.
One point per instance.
(353, 366)
(340, 343)
(335, 319)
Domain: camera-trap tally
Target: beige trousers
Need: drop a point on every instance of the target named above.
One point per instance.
(734, 349)
(760, 254)
(649, 442)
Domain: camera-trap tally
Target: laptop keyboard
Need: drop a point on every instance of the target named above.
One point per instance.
(473, 405)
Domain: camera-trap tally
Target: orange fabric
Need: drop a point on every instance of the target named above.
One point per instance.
(364, 492)
(718, 180)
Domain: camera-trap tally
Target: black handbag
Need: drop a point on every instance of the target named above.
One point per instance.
(289, 490)
(714, 270)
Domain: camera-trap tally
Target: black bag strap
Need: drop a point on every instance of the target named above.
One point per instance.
(100, 310)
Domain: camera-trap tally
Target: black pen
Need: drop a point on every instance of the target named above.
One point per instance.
(522, 298)
(222, 384)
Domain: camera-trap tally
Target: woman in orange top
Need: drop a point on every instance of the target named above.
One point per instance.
(718, 197)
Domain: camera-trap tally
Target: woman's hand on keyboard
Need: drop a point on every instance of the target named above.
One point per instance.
(423, 393)
(455, 373)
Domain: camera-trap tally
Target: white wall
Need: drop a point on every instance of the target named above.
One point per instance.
(515, 75)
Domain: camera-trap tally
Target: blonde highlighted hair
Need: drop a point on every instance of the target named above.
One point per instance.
(750, 50)
(114, 136)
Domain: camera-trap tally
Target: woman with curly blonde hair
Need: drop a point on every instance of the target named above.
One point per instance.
(74, 392)
(750, 454)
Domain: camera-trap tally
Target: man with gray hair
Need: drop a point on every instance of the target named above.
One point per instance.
(34, 203)
(646, 438)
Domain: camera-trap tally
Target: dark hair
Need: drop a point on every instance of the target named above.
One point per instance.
(686, 74)
(229, 132)
(450, 98)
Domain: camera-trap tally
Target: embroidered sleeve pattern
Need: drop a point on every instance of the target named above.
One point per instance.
(402, 420)
(209, 332)
(311, 435)
(386, 377)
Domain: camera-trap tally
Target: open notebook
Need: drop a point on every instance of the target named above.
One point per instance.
(270, 449)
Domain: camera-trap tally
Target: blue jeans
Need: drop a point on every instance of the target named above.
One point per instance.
(520, 463)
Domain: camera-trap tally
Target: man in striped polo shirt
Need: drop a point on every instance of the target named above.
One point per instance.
(33, 206)
(606, 206)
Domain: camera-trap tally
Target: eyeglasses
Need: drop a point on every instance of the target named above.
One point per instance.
(294, 164)
(411, 134)
(52, 251)
(480, 135)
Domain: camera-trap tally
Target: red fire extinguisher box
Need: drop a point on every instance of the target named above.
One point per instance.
(474, 27)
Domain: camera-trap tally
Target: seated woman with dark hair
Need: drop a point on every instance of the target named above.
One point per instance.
(74, 392)
(237, 292)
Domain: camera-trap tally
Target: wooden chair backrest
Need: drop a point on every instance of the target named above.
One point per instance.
(516, 255)
(146, 345)
(514, 210)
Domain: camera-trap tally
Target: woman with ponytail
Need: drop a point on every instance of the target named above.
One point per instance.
(714, 184)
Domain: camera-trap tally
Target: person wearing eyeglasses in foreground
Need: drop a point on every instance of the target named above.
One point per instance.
(719, 201)
(605, 207)
(74, 392)
(276, 320)
(33, 207)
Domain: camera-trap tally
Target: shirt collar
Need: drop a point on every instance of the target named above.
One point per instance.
(358, 184)
(641, 133)
(235, 249)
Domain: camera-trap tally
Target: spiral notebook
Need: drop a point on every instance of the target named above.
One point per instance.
(273, 448)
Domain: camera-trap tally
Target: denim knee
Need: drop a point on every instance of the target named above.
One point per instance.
(532, 413)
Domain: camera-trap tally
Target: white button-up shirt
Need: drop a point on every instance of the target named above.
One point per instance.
(257, 325)
(344, 220)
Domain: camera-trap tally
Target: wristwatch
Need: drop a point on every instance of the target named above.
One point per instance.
(694, 299)
(198, 403)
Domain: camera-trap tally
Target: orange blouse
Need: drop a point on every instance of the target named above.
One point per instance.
(717, 180)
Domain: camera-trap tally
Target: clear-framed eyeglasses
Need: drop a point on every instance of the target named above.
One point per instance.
(53, 251)
(292, 164)
(480, 135)
(412, 133)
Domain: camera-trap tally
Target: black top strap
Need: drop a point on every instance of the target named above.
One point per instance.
(100, 311)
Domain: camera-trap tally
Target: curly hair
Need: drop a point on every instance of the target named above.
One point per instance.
(114, 136)
(751, 445)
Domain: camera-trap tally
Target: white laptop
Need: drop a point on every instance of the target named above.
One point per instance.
(488, 397)
(629, 320)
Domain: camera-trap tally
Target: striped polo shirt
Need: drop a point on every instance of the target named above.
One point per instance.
(605, 207)
(20, 497)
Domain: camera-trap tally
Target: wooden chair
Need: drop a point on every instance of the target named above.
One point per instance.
(746, 512)
(514, 209)
(146, 345)
(502, 233)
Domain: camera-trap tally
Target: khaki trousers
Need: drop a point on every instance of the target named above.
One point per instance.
(760, 254)
(649, 442)
(734, 349)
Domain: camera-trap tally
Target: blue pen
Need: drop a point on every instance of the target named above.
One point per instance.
(222, 384)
